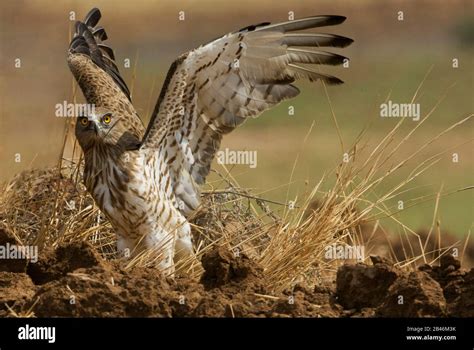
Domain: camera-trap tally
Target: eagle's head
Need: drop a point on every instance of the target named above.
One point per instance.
(104, 128)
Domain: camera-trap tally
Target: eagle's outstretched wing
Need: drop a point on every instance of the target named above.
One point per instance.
(211, 90)
(93, 65)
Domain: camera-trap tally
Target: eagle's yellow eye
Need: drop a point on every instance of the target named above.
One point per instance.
(84, 121)
(106, 119)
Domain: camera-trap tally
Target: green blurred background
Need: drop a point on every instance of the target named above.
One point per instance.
(389, 58)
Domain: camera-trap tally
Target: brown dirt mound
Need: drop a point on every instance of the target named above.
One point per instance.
(221, 268)
(13, 265)
(74, 280)
(54, 264)
(414, 295)
(16, 289)
(360, 286)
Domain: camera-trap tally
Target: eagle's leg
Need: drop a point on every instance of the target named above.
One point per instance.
(126, 246)
(160, 242)
(184, 245)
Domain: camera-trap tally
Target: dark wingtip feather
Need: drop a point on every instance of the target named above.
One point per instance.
(79, 28)
(341, 41)
(335, 19)
(349, 40)
(252, 27)
(333, 81)
(329, 80)
(93, 17)
(88, 41)
(336, 59)
(99, 32)
(304, 23)
(316, 40)
(107, 50)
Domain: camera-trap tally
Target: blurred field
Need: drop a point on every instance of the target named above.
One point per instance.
(388, 58)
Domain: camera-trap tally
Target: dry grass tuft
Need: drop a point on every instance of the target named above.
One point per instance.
(46, 208)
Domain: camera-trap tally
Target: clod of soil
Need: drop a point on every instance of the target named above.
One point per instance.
(463, 305)
(16, 289)
(360, 286)
(414, 295)
(301, 301)
(53, 264)
(96, 292)
(457, 285)
(221, 267)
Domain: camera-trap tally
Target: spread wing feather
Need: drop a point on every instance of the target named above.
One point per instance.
(213, 89)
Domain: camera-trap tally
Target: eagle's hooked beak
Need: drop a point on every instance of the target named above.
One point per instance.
(93, 126)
